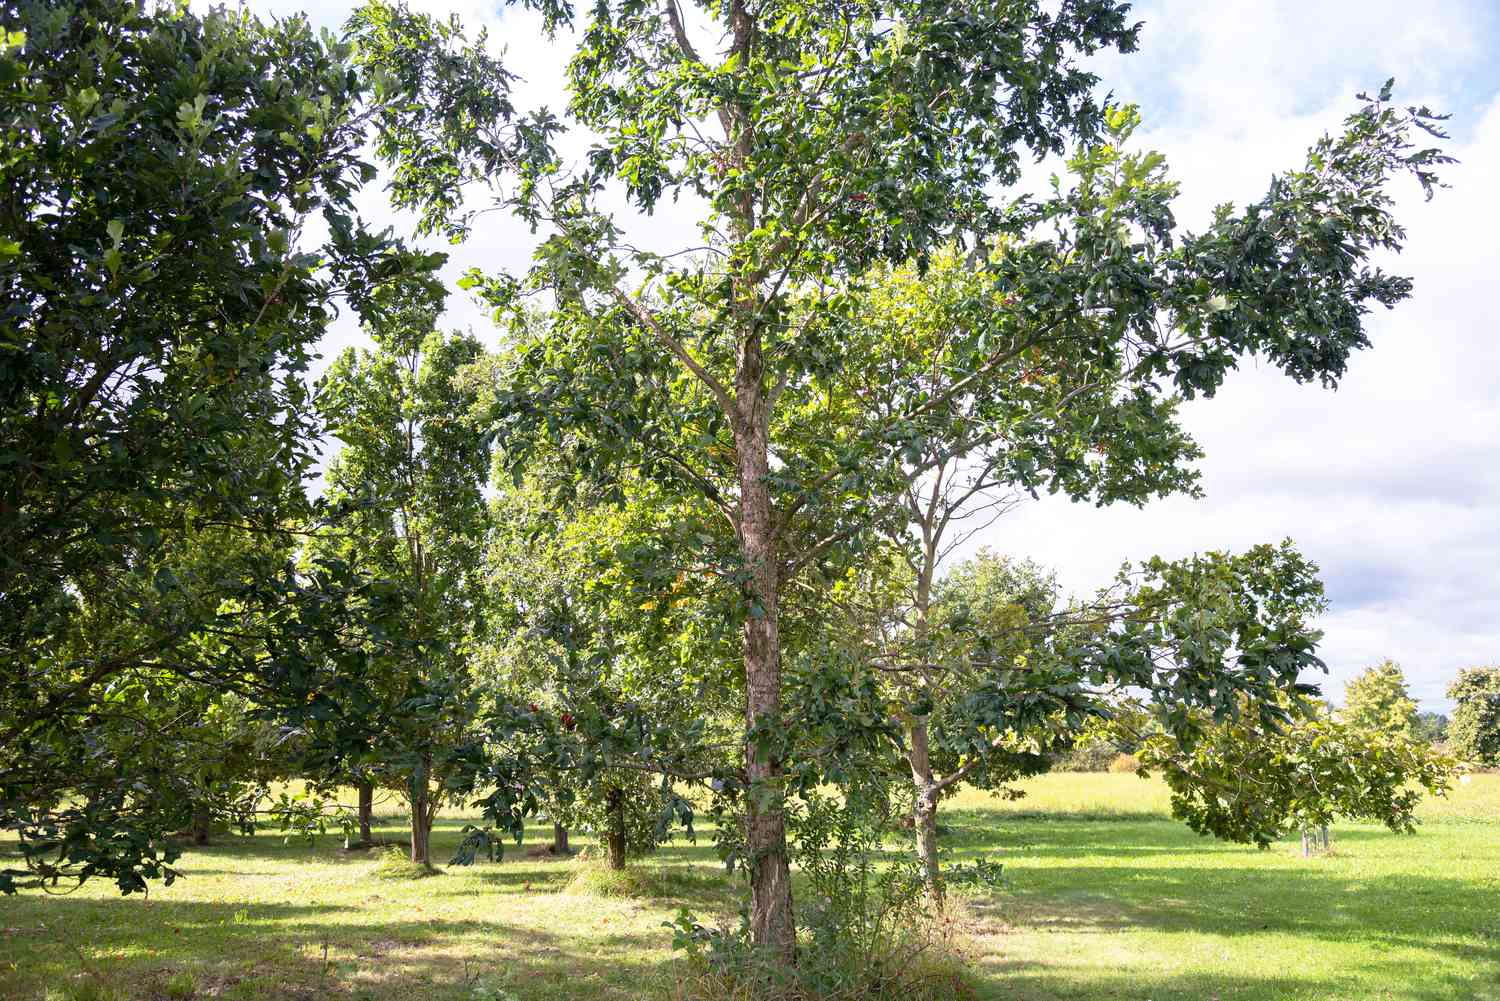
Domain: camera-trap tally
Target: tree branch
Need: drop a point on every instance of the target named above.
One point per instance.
(676, 347)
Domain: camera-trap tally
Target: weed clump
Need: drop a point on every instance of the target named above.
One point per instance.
(394, 864)
(180, 986)
(922, 961)
(640, 882)
(868, 931)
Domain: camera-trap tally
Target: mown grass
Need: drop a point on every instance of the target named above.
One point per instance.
(1107, 898)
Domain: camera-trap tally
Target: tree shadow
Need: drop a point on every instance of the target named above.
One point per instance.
(1098, 879)
(265, 951)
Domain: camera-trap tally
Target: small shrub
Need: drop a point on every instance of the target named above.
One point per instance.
(1126, 764)
(594, 880)
(1090, 756)
(180, 986)
(394, 864)
(865, 932)
(921, 961)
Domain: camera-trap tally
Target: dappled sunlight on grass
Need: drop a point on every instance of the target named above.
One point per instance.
(1106, 898)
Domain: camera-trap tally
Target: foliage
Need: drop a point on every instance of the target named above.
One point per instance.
(866, 931)
(1378, 700)
(1474, 729)
(409, 480)
(162, 300)
(857, 905)
(1248, 780)
(99, 792)
(1431, 727)
(486, 989)
(731, 373)
(645, 813)
(593, 700)
(1088, 756)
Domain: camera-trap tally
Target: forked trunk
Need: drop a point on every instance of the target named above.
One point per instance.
(366, 810)
(772, 926)
(615, 836)
(924, 812)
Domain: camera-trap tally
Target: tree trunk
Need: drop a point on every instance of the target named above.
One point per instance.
(366, 810)
(1306, 843)
(772, 925)
(421, 816)
(1324, 831)
(925, 800)
(615, 837)
(924, 812)
(560, 839)
(202, 823)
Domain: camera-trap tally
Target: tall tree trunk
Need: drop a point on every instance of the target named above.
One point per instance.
(615, 836)
(925, 800)
(559, 839)
(772, 925)
(924, 811)
(366, 810)
(421, 815)
(202, 823)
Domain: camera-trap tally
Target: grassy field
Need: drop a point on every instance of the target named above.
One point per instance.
(1107, 898)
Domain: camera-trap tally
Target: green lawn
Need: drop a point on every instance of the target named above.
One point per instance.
(1107, 898)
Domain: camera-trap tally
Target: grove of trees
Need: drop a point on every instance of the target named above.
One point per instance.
(685, 543)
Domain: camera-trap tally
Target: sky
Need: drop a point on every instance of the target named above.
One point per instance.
(1391, 484)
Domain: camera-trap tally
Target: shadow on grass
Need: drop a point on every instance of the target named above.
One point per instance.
(275, 951)
(248, 952)
(1071, 835)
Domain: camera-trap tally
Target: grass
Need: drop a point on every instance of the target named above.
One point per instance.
(1107, 898)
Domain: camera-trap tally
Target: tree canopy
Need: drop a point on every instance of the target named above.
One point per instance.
(160, 302)
(688, 525)
(820, 144)
(1474, 729)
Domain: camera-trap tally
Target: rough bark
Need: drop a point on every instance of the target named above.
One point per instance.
(560, 840)
(924, 811)
(615, 837)
(366, 811)
(772, 925)
(202, 824)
